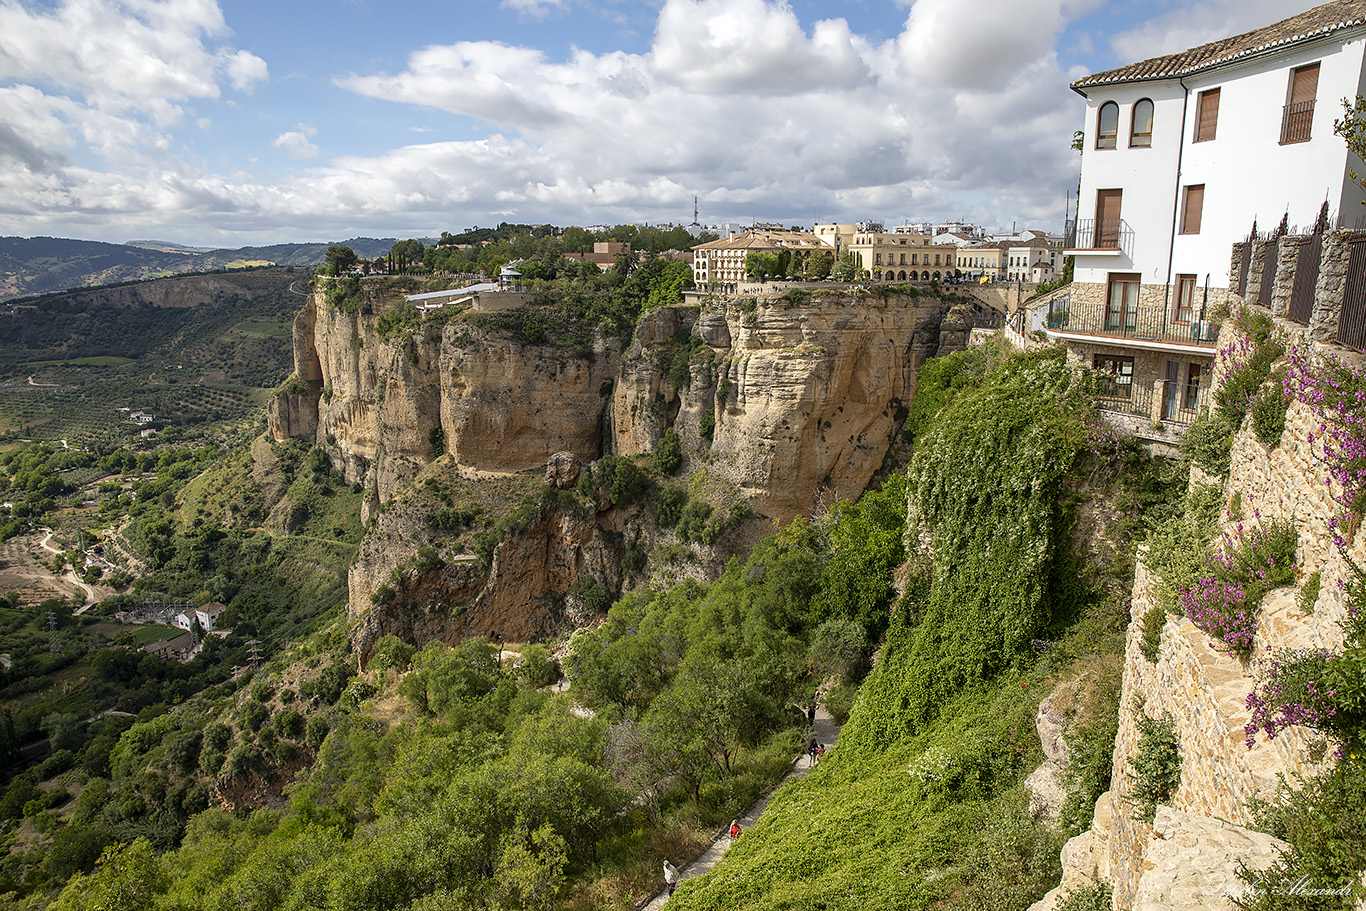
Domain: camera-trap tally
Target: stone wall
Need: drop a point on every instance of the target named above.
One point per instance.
(1187, 859)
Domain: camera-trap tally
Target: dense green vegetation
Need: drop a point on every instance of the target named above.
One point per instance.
(921, 805)
(70, 362)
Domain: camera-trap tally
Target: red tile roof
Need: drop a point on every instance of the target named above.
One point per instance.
(1307, 26)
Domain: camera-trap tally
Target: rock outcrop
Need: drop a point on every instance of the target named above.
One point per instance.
(793, 396)
(390, 403)
(776, 401)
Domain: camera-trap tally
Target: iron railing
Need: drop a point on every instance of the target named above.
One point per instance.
(1146, 324)
(1136, 400)
(1270, 257)
(1109, 234)
(1296, 121)
(1352, 319)
(1306, 277)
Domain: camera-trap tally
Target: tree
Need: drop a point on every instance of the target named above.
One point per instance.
(668, 456)
(846, 268)
(1352, 128)
(818, 265)
(128, 878)
(340, 259)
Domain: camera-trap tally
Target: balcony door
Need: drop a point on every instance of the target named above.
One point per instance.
(1107, 220)
(1121, 304)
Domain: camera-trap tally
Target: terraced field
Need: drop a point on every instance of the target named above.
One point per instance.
(76, 366)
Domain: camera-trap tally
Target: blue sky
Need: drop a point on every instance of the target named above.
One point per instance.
(224, 124)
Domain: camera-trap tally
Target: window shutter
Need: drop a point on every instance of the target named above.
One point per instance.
(1306, 85)
(1195, 202)
(1209, 115)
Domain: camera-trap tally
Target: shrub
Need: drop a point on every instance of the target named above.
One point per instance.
(1309, 592)
(708, 425)
(1246, 363)
(669, 505)
(1321, 818)
(315, 732)
(839, 700)
(692, 524)
(668, 455)
(391, 652)
(1223, 610)
(1268, 413)
(1157, 765)
(1153, 621)
(628, 482)
(1209, 443)
(1095, 897)
(537, 668)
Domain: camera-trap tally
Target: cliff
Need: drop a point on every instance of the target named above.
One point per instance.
(794, 394)
(1189, 856)
(778, 402)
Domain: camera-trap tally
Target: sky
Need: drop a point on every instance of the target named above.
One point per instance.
(252, 122)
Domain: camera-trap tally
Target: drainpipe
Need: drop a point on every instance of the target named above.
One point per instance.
(1176, 204)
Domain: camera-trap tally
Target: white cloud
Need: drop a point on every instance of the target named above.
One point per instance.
(296, 144)
(535, 8)
(734, 101)
(1193, 24)
(244, 70)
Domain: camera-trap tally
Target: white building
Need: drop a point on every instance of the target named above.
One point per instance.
(1181, 153)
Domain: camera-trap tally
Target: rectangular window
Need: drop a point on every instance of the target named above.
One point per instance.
(1121, 305)
(914, 257)
(1194, 203)
(877, 259)
(1121, 375)
(1185, 298)
(1192, 396)
(1207, 116)
(1107, 219)
(903, 259)
(1298, 115)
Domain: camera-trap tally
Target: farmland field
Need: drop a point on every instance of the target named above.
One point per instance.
(76, 366)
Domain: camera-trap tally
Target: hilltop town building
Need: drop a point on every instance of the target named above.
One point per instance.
(719, 266)
(1181, 154)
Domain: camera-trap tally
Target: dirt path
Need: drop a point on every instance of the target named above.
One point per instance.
(826, 732)
(91, 597)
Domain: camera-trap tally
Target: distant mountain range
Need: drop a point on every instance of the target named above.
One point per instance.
(38, 265)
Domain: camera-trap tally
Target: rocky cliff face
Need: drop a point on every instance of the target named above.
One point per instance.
(1188, 857)
(777, 401)
(386, 407)
(795, 396)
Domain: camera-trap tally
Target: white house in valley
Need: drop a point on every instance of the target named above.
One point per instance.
(1181, 154)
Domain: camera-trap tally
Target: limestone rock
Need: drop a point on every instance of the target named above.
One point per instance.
(1192, 862)
(563, 470)
(1044, 785)
(797, 396)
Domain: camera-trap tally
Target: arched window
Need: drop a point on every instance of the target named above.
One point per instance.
(1141, 131)
(1107, 126)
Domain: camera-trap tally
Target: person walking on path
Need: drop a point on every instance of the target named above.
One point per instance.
(670, 877)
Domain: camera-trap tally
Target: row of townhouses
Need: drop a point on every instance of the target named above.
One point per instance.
(1183, 155)
(898, 255)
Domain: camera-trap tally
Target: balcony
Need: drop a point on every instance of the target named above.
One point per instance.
(1296, 120)
(1094, 237)
(1144, 328)
(1156, 401)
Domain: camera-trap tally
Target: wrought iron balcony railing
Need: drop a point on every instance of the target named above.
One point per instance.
(1145, 323)
(1296, 121)
(1100, 235)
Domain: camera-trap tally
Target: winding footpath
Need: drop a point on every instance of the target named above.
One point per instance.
(826, 732)
(70, 576)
